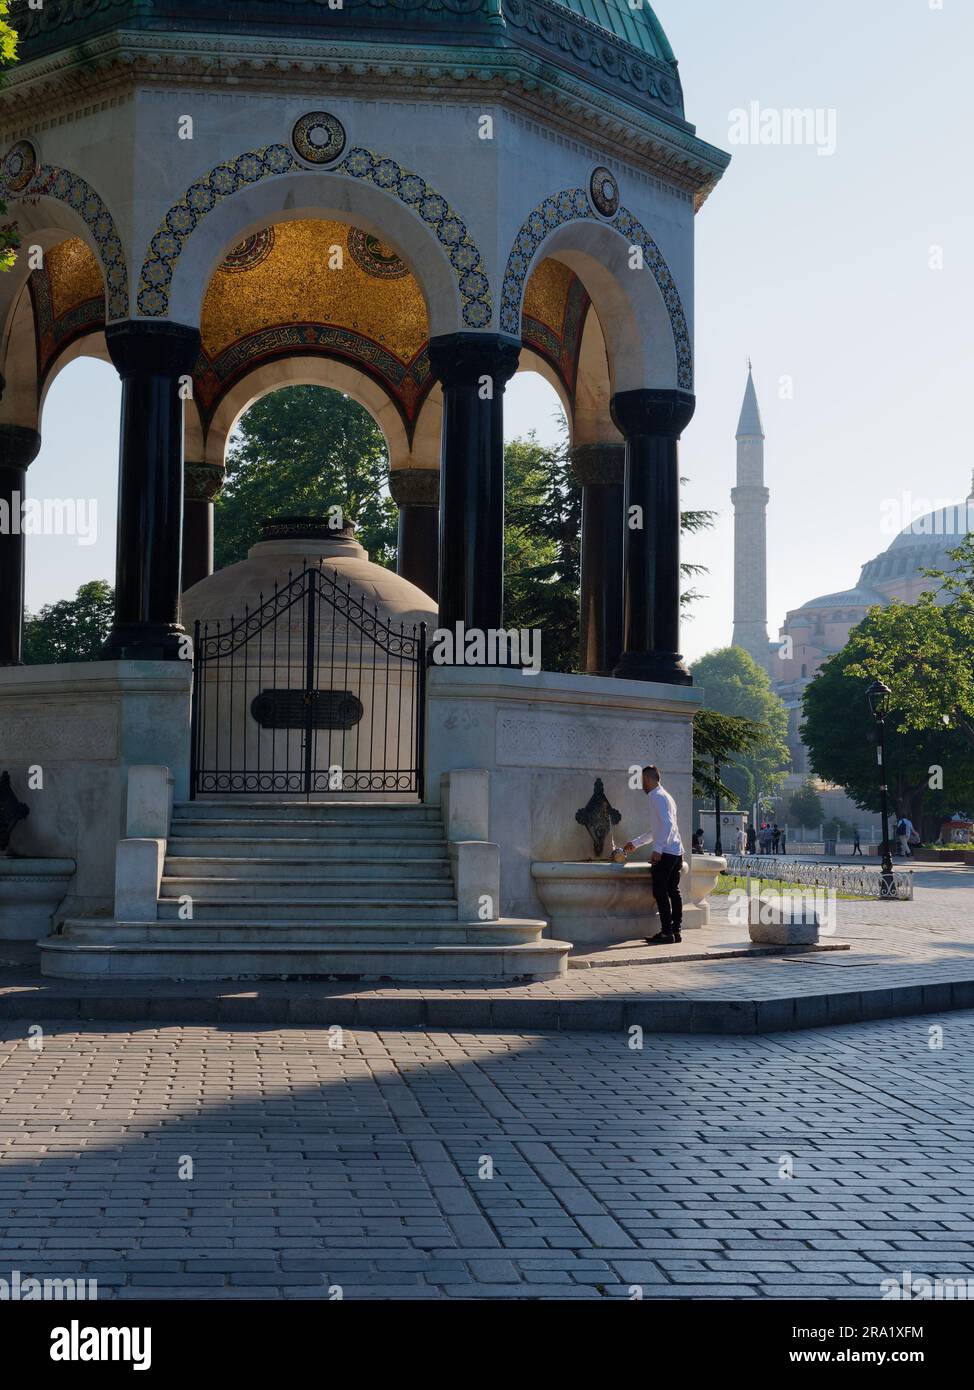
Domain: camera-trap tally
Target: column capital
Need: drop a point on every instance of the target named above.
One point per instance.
(603, 464)
(19, 446)
(415, 487)
(202, 481)
(664, 414)
(146, 347)
(460, 359)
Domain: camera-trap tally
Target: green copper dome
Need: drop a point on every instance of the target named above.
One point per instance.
(638, 27)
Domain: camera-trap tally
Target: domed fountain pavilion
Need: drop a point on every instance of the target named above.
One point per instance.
(407, 202)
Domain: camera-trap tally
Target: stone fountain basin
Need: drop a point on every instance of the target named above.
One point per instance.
(595, 902)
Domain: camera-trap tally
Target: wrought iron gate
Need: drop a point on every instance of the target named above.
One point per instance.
(310, 693)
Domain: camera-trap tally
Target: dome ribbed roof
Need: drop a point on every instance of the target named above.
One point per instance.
(638, 27)
(847, 598)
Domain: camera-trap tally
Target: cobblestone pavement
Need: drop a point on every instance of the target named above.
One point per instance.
(367, 1167)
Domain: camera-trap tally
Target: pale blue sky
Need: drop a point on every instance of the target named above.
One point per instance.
(818, 267)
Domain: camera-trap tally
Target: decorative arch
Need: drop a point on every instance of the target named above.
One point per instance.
(254, 166)
(23, 178)
(573, 205)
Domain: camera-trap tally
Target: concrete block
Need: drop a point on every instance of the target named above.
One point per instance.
(138, 873)
(476, 866)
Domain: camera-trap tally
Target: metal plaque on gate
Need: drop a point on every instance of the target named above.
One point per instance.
(288, 709)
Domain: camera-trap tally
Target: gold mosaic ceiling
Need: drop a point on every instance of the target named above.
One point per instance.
(282, 275)
(74, 275)
(546, 294)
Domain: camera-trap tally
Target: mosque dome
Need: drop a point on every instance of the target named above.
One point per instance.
(923, 545)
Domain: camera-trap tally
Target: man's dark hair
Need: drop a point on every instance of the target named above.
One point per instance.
(653, 771)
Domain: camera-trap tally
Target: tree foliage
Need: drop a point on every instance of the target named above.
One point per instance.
(73, 629)
(924, 652)
(804, 807)
(733, 684)
(721, 739)
(297, 452)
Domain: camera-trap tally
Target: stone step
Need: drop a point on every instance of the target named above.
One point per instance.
(244, 808)
(319, 910)
(321, 849)
(199, 960)
(314, 828)
(509, 931)
(305, 869)
(306, 886)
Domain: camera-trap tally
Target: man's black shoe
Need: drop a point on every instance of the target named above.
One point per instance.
(660, 939)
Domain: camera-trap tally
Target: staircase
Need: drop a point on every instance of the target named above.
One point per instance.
(276, 888)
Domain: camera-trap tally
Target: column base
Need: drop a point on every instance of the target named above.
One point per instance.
(145, 642)
(666, 667)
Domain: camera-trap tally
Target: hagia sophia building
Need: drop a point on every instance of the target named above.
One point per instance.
(821, 626)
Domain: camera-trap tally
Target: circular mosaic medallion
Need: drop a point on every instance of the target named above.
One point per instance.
(374, 256)
(19, 166)
(319, 137)
(251, 252)
(604, 191)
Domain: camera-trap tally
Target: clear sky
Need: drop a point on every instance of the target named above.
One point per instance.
(817, 266)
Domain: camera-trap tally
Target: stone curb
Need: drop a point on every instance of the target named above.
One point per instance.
(653, 1015)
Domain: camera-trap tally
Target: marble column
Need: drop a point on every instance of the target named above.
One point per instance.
(19, 447)
(600, 472)
(651, 423)
(201, 486)
(473, 368)
(153, 360)
(416, 491)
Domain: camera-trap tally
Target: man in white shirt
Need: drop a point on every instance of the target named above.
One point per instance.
(666, 859)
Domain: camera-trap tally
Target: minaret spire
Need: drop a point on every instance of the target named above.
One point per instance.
(750, 500)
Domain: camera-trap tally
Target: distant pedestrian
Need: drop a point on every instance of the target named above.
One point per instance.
(696, 844)
(740, 840)
(775, 838)
(856, 846)
(904, 831)
(784, 849)
(766, 838)
(752, 839)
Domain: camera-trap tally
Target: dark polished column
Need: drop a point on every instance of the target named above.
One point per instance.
(201, 485)
(19, 448)
(600, 471)
(651, 423)
(151, 358)
(473, 368)
(416, 491)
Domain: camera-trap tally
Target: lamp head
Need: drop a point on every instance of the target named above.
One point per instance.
(877, 697)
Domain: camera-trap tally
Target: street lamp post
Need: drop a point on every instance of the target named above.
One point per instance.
(718, 846)
(877, 697)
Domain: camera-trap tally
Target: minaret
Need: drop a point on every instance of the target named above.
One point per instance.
(750, 499)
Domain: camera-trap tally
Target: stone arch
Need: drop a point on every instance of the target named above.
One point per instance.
(317, 370)
(565, 225)
(36, 186)
(271, 184)
(86, 345)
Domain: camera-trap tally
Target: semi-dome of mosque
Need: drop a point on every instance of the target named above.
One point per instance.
(847, 598)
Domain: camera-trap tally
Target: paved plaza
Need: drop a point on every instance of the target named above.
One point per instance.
(903, 957)
(448, 1165)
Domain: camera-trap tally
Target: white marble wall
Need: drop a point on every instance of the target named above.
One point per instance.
(543, 740)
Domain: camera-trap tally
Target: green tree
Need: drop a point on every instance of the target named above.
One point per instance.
(542, 545)
(299, 451)
(9, 236)
(929, 763)
(734, 684)
(804, 807)
(720, 740)
(73, 629)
